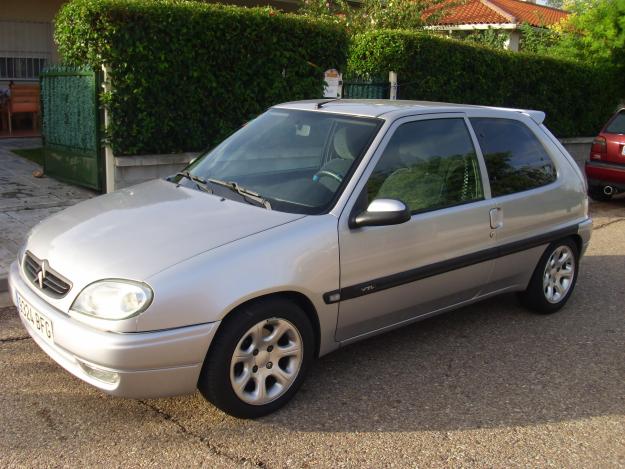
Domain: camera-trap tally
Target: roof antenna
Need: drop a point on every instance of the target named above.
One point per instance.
(323, 103)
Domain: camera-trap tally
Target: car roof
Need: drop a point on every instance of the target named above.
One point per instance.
(393, 109)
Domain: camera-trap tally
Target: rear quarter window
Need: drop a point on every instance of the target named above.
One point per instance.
(515, 159)
(617, 124)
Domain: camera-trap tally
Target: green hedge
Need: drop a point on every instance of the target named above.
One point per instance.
(185, 74)
(578, 99)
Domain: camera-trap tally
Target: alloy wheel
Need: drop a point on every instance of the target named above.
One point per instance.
(558, 274)
(266, 361)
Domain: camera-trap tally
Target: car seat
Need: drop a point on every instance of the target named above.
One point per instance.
(416, 182)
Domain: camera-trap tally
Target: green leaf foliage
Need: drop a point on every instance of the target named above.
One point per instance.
(594, 32)
(366, 15)
(68, 98)
(493, 38)
(577, 98)
(542, 41)
(186, 74)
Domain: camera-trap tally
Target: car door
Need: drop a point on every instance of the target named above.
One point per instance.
(532, 204)
(393, 274)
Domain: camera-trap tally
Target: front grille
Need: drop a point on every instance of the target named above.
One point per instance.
(51, 283)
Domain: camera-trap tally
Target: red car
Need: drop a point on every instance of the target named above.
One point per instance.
(605, 170)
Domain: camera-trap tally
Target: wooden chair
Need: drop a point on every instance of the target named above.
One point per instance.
(24, 99)
(4, 113)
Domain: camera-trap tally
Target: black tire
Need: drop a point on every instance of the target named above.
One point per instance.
(215, 379)
(596, 193)
(534, 297)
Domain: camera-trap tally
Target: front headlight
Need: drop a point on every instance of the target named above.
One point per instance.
(113, 299)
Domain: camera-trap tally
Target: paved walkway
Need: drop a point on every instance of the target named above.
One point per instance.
(26, 200)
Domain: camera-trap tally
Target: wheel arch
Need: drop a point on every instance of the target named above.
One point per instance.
(295, 297)
(577, 239)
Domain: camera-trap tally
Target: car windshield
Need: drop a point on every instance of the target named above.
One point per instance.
(298, 161)
(617, 126)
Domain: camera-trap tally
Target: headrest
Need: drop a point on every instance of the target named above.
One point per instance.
(341, 144)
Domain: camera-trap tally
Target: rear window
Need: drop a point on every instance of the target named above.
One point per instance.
(617, 126)
(515, 159)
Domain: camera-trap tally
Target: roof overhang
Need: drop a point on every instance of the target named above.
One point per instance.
(472, 26)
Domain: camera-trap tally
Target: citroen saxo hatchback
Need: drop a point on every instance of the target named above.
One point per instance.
(318, 224)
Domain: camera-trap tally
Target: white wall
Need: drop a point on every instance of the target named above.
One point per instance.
(514, 39)
(24, 40)
(26, 29)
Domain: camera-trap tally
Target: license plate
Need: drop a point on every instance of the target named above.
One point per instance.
(41, 324)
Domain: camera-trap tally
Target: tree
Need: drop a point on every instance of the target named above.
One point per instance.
(378, 14)
(594, 32)
(538, 40)
(493, 38)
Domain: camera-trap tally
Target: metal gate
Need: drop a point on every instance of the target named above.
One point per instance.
(71, 125)
(366, 89)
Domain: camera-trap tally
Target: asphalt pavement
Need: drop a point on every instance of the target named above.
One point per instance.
(488, 385)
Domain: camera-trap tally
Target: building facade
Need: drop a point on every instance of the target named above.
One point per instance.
(26, 43)
(26, 35)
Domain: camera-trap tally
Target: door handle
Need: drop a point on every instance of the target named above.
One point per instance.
(496, 218)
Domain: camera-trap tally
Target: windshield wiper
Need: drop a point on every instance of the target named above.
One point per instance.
(200, 183)
(242, 191)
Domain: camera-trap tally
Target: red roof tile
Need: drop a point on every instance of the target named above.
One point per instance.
(536, 15)
(501, 11)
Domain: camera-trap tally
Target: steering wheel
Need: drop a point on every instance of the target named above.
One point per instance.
(328, 173)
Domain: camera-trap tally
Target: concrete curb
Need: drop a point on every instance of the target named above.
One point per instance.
(564, 141)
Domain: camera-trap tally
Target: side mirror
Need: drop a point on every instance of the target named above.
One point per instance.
(382, 212)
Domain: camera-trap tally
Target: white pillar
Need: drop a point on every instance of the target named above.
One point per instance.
(392, 78)
(514, 38)
(109, 158)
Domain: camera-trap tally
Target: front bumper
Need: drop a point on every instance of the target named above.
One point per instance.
(146, 364)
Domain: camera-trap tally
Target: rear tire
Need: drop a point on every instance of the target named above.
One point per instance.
(596, 193)
(259, 358)
(554, 278)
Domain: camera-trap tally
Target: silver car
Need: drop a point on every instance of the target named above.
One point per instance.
(318, 224)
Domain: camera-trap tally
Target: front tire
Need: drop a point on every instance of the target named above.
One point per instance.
(259, 358)
(554, 278)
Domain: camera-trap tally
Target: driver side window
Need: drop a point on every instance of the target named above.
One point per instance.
(428, 165)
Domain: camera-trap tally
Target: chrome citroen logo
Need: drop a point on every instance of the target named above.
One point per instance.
(41, 274)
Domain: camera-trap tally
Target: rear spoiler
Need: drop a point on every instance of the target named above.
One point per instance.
(536, 116)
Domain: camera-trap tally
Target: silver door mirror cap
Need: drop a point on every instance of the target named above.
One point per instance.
(382, 212)
(386, 205)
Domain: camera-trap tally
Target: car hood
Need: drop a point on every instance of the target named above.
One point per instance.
(136, 232)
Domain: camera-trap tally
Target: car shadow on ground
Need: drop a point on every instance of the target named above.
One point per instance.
(487, 365)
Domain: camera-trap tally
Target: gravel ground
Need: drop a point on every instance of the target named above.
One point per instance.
(487, 385)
